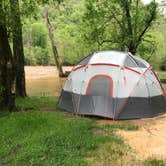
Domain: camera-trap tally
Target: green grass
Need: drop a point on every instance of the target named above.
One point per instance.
(121, 125)
(36, 103)
(39, 134)
(154, 162)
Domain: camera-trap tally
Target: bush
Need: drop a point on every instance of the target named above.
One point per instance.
(163, 65)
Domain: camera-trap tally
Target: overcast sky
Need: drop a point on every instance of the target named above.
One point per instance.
(147, 1)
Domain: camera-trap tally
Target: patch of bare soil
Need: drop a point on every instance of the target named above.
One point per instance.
(150, 139)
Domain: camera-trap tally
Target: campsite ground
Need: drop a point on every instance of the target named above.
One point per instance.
(40, 134)
(149, 140)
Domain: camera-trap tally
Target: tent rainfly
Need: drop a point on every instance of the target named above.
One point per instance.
(115, 85)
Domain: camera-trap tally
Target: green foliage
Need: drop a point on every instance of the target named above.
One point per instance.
(1, 88)
(66, 26)
(122, 24)
(39, 35)
(51, 138)
(66, 23)
(148, 46)
(41, 56)
(162, 75)
(159, 30)
(161, 49)
(163, 65)
(36, 46)
(82, 27)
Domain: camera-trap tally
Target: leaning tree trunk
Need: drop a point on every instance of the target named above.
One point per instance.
(18, 49)
(54, 48)
(7, 99)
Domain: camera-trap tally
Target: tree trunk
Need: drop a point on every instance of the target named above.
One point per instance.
(132, 48)
(129, 30)
(54, 48)
(7, 99)
(18, 49)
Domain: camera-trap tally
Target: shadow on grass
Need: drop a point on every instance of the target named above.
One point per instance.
(4, 113)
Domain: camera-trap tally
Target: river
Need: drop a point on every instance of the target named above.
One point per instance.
(43, 80)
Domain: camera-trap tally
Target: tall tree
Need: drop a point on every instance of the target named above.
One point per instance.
(6, 65)
(136, 26)
(120, 23)
(18, 48)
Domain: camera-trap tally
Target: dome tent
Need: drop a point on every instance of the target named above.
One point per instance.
(115, 85)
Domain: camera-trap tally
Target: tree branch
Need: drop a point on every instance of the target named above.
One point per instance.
(128, 16)
(147, 26)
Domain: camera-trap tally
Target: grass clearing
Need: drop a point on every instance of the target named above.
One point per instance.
(39, 134)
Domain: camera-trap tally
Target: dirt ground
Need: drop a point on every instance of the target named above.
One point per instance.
(149, 140)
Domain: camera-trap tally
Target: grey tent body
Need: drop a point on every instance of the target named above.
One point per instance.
(115, 85)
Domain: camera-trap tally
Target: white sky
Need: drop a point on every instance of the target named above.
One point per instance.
(147, 1)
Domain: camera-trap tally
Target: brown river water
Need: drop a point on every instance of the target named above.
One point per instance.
(43, 80)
